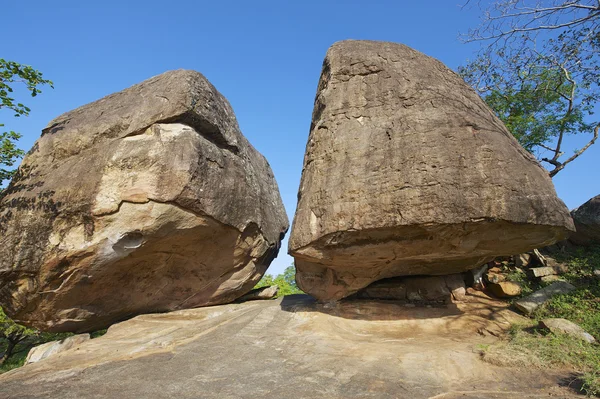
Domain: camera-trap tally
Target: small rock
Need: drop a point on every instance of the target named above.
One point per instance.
(48, 349)
(567, 327)
(541, 259)
(268, 292)
(597, 273)
(459, 294)
(505, 289)
(551, 278)
(476, 293)
(522, 260)
(549, 270)
(494, 278)
(530, 303)
(456, 285)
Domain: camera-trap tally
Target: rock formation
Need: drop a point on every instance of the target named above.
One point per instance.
(408, 172)
(147, 200)
(587, 223)
(292, 348)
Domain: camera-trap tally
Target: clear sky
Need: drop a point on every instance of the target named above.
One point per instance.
(264, 56)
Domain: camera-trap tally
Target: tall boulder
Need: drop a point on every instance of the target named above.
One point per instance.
(147, 200)
(587, 223)
(408, 172)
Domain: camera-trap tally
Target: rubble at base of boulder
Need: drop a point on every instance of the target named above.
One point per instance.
(496, 277)
(530, 303)
(548, 270)
(522, 260)
(421, 289)
(563, 326)
(505, 289)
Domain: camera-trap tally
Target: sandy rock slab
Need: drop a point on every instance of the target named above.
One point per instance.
(52, 348)
(148, 200)
(290, 348)
(408, 172)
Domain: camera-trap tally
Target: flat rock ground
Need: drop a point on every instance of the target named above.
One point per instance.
(292, 348)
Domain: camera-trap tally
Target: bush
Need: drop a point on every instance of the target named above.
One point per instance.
(286, 282)
(16, 341)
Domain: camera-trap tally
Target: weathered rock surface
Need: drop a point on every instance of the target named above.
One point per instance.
(147, 200)
(407, 171)
(52, 348)
(290, 348)
(587, 223)
(564, 326)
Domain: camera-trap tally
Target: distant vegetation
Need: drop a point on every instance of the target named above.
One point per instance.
(286, 282)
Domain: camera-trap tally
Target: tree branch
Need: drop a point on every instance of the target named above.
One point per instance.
(561, 166)
(546, 147)
(557, 152)
(539, 17)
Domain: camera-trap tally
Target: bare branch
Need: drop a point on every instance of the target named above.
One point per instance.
(535, 28)
(531, 10)
(562, 165)
(507, 18)
(571, 99)
(545, 147)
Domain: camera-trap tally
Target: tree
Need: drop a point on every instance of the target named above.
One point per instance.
(12, 72)
(13, 334)
(286, 282)
(539, 71)
(17, 339)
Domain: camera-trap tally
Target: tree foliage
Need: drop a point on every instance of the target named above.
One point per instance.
(14, 73)
(286, 282)
(539, 71)
(16, 340)
(11, 335)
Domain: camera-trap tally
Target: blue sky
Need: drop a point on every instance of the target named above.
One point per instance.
(264, 56)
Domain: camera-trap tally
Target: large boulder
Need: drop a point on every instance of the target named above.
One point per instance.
(408, 172)
(147, 200)
(587, 223)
